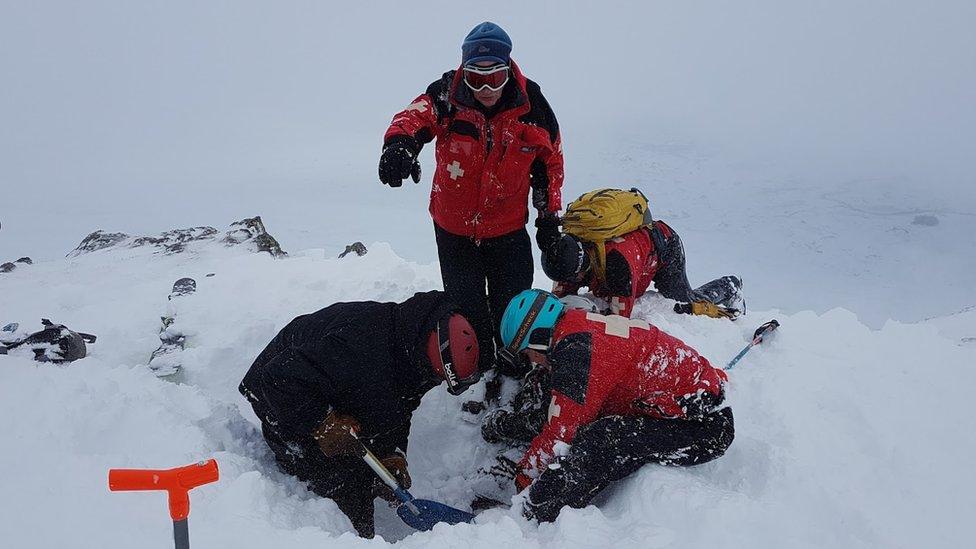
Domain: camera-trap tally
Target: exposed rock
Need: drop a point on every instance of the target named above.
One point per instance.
(250, 231)
(253, 229)
(175, 241)
(97, 241)
(9, 266)
(356, 247)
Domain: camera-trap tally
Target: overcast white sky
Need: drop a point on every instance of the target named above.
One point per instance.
(149, 115)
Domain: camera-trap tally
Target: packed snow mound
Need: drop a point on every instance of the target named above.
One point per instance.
(846, 436)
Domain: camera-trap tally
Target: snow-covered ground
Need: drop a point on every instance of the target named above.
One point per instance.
(846, 436)
(822, 151)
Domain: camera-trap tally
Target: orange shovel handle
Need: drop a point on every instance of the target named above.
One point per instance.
(177, 482)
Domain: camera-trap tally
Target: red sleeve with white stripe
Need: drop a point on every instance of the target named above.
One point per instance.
(417, 116)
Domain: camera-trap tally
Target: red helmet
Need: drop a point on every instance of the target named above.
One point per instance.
(453, 352)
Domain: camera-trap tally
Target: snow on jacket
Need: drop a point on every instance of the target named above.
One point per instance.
(611, 365)
(631, 265)
(363, 359)
(485, 165)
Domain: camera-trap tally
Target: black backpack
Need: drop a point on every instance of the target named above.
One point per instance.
(55, 343)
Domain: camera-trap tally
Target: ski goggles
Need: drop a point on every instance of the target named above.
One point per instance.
(493, 78)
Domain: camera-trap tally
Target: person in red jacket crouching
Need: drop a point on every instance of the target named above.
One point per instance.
(633, 261)
(624, 394)
(496, 138)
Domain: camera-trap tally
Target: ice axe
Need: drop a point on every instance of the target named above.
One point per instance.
(419, 514)
(757, 338)
(177, 482)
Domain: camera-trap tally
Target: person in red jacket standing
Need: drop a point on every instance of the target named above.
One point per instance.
(633, 261)
(623, 394)
(496, 138)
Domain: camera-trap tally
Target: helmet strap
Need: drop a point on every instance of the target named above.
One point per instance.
(523, 331)
(444, 346)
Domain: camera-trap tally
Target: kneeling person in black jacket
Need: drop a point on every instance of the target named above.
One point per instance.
(356, 369)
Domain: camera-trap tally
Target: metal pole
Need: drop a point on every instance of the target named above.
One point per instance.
(181, 534)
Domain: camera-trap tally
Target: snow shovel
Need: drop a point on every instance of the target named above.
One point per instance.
(177, 482)
(419, 514)
(757, 338)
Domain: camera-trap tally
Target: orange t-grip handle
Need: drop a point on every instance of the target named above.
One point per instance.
(177, 481)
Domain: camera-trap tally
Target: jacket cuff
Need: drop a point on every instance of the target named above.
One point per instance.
(403, 139)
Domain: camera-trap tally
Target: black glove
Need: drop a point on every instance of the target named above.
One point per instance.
(399, 161)
(547, 231)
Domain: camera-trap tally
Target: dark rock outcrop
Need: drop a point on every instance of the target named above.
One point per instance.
(11, 265)
(97, 241)
(357, 247)
(250, 232)
(253, 229)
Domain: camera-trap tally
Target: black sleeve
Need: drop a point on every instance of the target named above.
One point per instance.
(288, 392)
(388, 442)
(540, 114)
(439, 93)
(671, 278)
(570, 361)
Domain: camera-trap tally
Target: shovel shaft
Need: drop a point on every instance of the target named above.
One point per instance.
(181, 534)
(385, 475)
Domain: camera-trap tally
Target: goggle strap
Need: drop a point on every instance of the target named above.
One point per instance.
(485, 70)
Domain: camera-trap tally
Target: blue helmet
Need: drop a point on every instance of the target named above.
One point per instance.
(530, 318)
(486, 42)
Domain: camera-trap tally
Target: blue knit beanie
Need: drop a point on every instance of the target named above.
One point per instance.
(486, 42)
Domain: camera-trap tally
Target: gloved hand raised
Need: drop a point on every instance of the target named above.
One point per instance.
(399, 161)
(335, 435)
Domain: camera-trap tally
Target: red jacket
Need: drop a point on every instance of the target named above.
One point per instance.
(484, 166)
(611, 365)
(631, 264)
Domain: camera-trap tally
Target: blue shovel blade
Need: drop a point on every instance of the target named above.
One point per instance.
(423, 514)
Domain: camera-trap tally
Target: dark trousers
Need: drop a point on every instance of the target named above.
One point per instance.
(482, 277)
(346, 480)
(615, 447)
(671, 279)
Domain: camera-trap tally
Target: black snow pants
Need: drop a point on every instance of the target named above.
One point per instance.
(346, 480)
(615, 447)
(482, 277)
(671, 279)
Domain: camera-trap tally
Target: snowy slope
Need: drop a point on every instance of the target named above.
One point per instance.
(846, 436)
